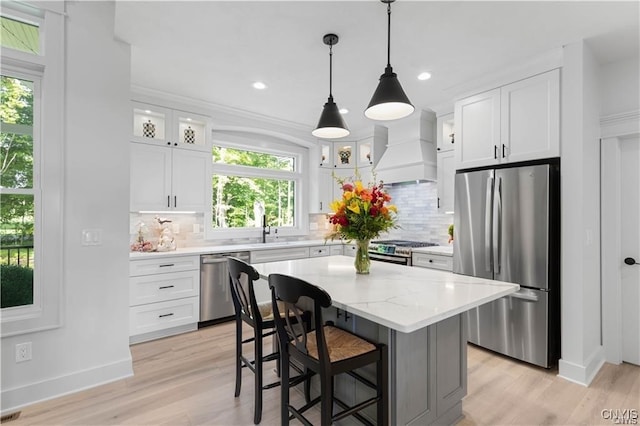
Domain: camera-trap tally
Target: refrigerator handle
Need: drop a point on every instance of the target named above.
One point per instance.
(497, 226)
(487, 223)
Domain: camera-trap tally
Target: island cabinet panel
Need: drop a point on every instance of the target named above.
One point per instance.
(451, 338)
(427, 370)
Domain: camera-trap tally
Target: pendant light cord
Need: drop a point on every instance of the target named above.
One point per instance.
(330, 69)
(388, 34)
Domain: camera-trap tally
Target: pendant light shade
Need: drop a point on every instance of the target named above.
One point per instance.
(331, 124)
(389, 102)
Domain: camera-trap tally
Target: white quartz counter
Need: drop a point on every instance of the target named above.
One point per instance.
(443, 250)
(402, 298)
(189, 251)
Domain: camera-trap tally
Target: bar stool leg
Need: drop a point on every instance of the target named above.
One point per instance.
(238, 356)
(257, 345)
(284, 387)
(326, 402)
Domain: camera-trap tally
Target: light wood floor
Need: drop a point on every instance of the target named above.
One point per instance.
(189, 380)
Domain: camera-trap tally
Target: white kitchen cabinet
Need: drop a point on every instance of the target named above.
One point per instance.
(274, 255)
(164, 297)
(516, 122)
(371, 148)
(530, 111)
(344, 154)
(160, 126)
(433, 261)
(446, 181)
(165, 179)
(349, 249)
(477, 128)
(445, 137)
(326, 183)
(326, 154)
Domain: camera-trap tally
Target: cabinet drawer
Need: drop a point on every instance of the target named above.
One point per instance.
(275, 255)
(319, 251)
(157, 288)
(161, 315)
(432, 261)
(335, 250)
(162, 265)
(349, 250)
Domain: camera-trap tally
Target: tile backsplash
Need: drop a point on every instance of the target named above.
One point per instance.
(418, 219)
(418, 215)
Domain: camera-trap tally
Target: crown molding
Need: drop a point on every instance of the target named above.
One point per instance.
(621, 124)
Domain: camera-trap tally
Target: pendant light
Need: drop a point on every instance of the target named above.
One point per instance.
(389, 102)
(331, 125)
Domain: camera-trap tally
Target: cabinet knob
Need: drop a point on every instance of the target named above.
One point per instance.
(438, 149)
(631, 261)
(168, 143)
(175, 144)
(430, 260)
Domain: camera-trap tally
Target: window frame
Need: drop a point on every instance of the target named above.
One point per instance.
(48, 180)
(280, 148)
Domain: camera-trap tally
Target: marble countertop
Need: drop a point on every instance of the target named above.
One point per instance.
(402, 298)
(442, 250)
(189, 251)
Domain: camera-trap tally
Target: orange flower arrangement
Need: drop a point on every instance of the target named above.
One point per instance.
(362, 213)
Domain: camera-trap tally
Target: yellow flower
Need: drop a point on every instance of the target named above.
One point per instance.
(359, 186)
(336, 205)
(354, 207)
(393, 208)
(348, 195)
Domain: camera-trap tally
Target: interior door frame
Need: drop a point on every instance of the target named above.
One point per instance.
(614, 129)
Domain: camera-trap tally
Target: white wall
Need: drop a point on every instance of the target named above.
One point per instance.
(92, 344)
(582, 353)
(620, 86)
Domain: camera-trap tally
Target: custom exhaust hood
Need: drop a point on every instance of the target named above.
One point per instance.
(411, 150)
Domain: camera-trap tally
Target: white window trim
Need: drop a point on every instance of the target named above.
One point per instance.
(48, 137)
(301, 157)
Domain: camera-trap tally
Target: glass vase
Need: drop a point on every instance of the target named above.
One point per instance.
(362, 261)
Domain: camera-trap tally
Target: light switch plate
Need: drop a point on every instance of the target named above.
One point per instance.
(92, 237)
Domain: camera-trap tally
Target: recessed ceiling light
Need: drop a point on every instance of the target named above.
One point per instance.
(259, 85)
(343, 111)
(424, 76)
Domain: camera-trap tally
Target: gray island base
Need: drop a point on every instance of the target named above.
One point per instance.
(418, 313)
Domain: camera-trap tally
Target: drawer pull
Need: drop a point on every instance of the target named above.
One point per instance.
(165, 315)
(167, 264)
(165, 286)
(430, 260)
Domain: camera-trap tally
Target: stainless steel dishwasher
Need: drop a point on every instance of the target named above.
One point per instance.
(216, 304)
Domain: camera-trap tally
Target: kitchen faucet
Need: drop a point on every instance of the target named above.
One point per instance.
(265, 232)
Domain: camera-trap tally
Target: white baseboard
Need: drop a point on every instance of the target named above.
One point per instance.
(23, 396)
(582, 374)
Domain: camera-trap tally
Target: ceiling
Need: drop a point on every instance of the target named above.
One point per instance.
(214, 50)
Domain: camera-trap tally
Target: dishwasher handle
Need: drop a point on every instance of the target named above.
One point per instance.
(222, 258)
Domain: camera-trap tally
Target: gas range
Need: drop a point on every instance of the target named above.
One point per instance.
(395, 251)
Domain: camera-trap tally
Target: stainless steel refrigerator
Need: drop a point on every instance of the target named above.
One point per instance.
(507, 228)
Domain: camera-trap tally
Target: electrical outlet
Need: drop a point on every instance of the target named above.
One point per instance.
(23, 352)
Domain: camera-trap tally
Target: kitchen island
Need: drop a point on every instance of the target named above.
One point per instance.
(417, 313)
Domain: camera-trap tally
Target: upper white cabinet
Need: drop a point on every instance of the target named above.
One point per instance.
(168, 127)
(350, 154)
(446, 181)
(477, 127)
(445, 136)
(516, 122)
(530, 111)
(164, 179)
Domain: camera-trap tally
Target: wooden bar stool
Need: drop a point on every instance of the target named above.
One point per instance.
(260, 317)
(326, 351)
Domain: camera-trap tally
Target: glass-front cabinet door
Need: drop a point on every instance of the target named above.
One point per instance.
(326, 154)
(191, 130)
(344, 154)
(365, 152)
(156, 125)
(150, 124)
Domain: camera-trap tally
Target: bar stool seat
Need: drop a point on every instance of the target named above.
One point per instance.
(326, 351)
